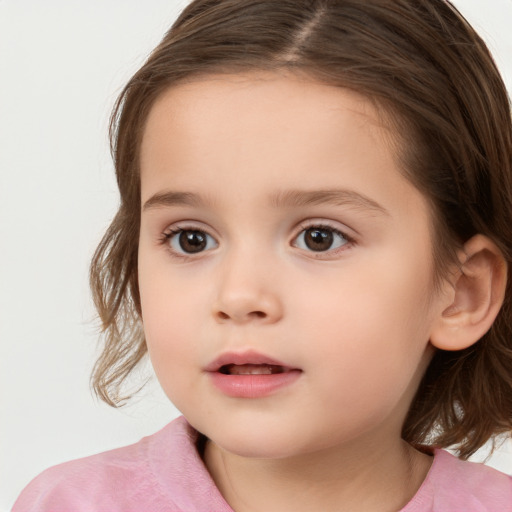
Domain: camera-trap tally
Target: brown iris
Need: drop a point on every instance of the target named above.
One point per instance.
(318, 239)
(192, 241)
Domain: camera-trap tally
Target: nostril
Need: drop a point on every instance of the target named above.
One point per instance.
(254, 314)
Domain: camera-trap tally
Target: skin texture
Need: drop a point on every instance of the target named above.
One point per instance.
(355, 319)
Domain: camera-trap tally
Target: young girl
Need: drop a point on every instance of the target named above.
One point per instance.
(312, 245)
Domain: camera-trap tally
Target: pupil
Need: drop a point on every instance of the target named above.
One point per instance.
(192, 241)
(318, 239)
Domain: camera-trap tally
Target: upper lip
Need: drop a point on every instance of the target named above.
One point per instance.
(240, 358)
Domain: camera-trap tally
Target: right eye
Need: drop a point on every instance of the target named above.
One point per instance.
(190, 241)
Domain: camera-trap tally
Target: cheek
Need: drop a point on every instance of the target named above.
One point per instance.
(371, 327)
(166, 301)
(385, 295)
(172, 347)
(170, 322)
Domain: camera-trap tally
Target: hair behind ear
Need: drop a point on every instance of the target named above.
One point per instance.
(465, 397)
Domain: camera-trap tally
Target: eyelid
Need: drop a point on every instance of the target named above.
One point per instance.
(325, 224)
(190, 225)
(175, 229)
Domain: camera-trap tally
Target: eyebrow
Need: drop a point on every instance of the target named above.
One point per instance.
(171, 198)
(335, 197)
(282, 199)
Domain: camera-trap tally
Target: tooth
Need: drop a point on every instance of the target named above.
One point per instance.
(250, 369)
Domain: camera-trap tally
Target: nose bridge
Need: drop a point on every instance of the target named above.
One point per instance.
(247, 290)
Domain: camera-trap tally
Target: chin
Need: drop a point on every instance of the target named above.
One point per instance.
(256, 440)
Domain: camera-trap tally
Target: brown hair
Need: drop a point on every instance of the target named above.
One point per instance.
(424, 64)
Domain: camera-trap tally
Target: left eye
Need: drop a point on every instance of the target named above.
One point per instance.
(320, 239)
(190, 241)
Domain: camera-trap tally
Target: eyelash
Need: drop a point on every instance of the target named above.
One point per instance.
(168, 235)
(323, 225)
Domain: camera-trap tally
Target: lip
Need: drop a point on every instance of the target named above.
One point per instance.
(239, 358)
(250, 386)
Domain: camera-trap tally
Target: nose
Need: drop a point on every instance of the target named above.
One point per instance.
(248, 292)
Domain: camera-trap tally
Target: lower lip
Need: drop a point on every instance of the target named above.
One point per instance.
(253, 386)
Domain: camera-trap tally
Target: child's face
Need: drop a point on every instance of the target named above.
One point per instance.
(301, 242)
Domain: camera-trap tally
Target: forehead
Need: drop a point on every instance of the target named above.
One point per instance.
(264, 97)
(280, 127)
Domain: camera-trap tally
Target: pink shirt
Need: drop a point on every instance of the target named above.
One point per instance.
(164, 472)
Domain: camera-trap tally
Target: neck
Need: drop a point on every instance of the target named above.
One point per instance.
(377, 480)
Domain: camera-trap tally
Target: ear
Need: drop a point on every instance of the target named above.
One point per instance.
(476, 296)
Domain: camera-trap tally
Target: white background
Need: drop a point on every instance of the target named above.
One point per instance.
(62, 64)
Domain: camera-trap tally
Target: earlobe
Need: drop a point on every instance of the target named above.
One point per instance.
(477, 296)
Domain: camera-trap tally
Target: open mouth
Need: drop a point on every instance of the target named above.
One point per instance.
(250, 374)
(252, 369)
